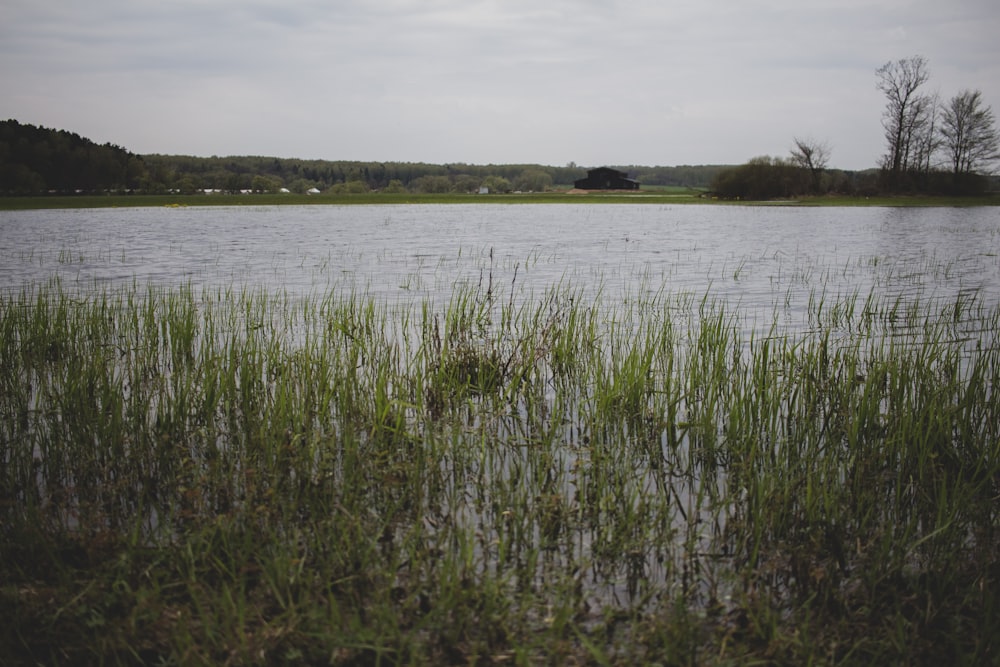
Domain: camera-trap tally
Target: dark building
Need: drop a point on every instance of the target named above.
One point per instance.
(606, 178)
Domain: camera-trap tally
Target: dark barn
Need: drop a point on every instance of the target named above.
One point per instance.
(606, 178)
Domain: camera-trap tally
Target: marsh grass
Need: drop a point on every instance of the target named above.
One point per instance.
(248, 477)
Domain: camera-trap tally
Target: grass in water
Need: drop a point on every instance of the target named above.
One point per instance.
(241, 477)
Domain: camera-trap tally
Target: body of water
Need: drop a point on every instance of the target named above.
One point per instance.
(757, 258)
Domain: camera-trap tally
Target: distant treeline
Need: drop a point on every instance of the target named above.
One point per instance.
(765, 177)
(36, 160)
(270, 174)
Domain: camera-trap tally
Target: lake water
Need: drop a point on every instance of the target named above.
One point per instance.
(757, 258)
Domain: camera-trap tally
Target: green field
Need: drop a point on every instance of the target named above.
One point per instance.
(646, 196)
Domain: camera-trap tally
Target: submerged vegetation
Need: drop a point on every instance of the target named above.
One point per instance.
(246, 477)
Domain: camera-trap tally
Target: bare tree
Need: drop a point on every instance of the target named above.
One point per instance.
(925, 140)
(906, 111)
(812, 155)
(968, 134)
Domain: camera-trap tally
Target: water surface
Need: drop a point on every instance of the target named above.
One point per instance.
(756, 258)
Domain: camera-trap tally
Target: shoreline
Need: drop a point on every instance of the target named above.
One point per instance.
(641, 197)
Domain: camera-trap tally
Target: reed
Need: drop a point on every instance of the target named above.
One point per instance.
(240, 476)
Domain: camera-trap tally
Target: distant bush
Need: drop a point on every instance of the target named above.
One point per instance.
(349, 188)
(431, 184)
(762, 178)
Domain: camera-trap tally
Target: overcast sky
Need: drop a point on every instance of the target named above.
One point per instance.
(647, 82)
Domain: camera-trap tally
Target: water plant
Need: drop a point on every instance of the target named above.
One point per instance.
(244, 476)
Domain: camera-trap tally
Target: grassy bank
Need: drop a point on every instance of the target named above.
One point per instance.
(651, 196)
(245, 477)
(109, 201)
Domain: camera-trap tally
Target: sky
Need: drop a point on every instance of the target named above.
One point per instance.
(592, 82)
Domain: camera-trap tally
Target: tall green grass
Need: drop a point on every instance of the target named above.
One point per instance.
(248, 477)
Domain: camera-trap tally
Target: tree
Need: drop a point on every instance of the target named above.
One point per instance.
(466, 183)
(925, 141)
(968, 133)
(186, 185)
(300, 185)
(431, 184)
(356, 186)
(813, 156)
(906, 114)
(534, 180)
(497, 184)
(395, 186)
(264, 184)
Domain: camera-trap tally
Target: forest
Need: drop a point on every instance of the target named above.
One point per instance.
(37, 160)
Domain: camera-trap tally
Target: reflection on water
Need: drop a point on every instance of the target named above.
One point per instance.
(761, 259)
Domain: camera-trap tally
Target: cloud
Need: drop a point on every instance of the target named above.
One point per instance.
(594, 82)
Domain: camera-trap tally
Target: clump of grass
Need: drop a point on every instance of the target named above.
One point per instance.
(249, 477)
